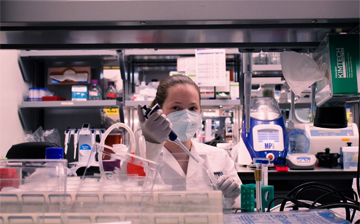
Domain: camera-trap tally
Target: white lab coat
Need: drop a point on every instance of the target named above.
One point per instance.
(215, 159)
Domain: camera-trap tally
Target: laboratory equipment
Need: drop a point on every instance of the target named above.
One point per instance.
(54, 153)
(248, 197)
(327, 159)
(173, 137)
(110, 93)
(265, 137)
(262, 163)
(84, 143)
(330, 117)
(301, 161)
(95, 92)
(297, 145)
(264, 172)
(349, 157)
(334, 138)
(258, 178)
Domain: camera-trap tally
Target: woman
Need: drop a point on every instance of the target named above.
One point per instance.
(179, 98)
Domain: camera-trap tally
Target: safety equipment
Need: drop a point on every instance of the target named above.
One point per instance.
(195, 179)
(185, 123)
(229, 187)
(156, 128)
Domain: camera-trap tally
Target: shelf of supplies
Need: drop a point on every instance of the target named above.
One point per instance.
(263, 68)
(219, 102)
(216, 102)
(89, 103)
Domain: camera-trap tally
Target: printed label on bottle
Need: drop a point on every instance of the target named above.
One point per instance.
(93, 93)
(111, 95)
(85, 147)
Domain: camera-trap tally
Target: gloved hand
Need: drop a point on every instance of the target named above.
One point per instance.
(156, 128)
(229, 187)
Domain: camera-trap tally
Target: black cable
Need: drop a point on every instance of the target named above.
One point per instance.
(300, 191)
(329, 193)
(320, 186)
(353, 216)
(295, 201)
(325, 187)
(329, 190)
(241, 209)
(309, 184)
(338, 205)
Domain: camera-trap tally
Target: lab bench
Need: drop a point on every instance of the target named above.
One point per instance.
(284, 182)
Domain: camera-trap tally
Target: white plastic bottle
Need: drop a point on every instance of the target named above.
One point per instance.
(95, 90)
(142, 87)
(111, 91)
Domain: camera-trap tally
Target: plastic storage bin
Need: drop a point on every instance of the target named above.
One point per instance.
(350, 158)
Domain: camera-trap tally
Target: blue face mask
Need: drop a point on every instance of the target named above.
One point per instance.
(185, 123)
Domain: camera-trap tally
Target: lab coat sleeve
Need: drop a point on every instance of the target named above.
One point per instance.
(153, 150)
(231, 171)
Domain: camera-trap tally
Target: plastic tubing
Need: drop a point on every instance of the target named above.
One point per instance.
(102, 142)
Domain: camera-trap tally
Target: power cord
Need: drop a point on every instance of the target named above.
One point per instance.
(341, 201)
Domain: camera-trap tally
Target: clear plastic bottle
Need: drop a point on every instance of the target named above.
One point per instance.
(111, 91)
(95, 92)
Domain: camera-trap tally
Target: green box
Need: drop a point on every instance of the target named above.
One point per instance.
(248, 200)
(339, 54)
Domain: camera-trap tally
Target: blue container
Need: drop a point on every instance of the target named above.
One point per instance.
(54, 153)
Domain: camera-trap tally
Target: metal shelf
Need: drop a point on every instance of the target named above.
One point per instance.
(220, 102)
(63, 104)
(263, 68)
(216, 102)
(67, 53)
(297, 105)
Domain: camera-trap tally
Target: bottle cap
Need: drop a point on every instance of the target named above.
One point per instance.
(54, 153)
(94, 81)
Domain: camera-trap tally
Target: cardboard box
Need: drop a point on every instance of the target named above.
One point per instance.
(339, 55)
(234, 90)
(54, 72)
(78, 93)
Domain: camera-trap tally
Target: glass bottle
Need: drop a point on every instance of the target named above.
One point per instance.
(111, 91)
(95, 90)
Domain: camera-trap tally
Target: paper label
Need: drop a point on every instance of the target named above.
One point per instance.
(111, 95)
(210, 67)
(93, 93)
(111, 111)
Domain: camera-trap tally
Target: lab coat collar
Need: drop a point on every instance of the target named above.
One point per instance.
(193, 166)
(169, 159)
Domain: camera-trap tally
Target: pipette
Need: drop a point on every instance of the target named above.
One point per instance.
(257, 175)
(173, 137)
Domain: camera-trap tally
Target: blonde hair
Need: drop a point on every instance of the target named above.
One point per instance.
(165, 84)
